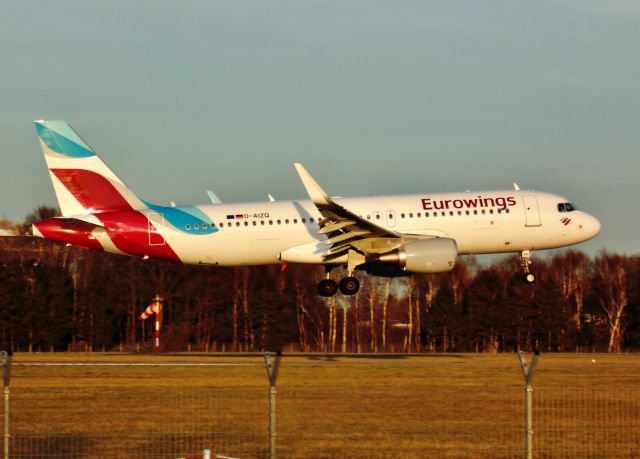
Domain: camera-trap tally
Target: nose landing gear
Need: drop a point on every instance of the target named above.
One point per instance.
(525, 261)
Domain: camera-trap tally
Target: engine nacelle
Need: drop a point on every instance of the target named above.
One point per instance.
(435, 255)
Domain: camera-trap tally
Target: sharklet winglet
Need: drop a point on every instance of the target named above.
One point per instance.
(315, 191)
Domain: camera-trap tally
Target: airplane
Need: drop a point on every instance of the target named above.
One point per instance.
(384, 235)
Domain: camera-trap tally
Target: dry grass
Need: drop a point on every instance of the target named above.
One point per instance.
(328, 406)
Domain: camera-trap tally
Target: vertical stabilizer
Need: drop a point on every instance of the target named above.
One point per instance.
(82, 182)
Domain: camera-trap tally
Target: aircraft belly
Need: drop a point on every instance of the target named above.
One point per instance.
(236, 248)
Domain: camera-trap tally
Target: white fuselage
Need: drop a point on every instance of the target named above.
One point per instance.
(286, 231)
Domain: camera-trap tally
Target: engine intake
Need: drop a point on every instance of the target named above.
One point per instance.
(435, 255)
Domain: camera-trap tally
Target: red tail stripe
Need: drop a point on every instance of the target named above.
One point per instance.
(92, 190)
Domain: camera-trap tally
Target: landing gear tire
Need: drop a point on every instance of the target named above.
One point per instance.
(327, 287)
(349, 286)
(529, 278)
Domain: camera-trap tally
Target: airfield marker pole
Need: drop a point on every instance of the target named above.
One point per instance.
(158, 310)
(527, 373)
(156, 343)
(5, 358)
(272, 373)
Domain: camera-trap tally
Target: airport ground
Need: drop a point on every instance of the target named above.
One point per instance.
(444, 405)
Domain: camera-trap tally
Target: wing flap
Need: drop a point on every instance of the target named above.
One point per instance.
(342, 227)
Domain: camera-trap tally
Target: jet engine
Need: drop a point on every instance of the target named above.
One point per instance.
(434, 255)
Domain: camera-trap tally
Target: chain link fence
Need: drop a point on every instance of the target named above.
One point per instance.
(101, 413)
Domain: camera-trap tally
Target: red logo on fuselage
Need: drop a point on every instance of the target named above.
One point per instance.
(468, 203)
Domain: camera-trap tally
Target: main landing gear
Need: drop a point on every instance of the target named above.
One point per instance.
(327, 287)
(525, 262)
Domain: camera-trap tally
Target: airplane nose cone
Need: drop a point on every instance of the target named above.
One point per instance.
(591, 226)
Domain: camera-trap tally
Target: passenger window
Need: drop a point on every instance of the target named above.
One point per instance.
(310, 219)
(279, 221)
(196, 226)
(237, 223)
(444, 213)
(187, 227)
(483, 211)
(410, 214)
(426, 214)
(475, 212)
(286, 221)
(507, 210)
(254, 223)
(271, 222)
(466, 212)
(451, 212)
(304, 220)
(401, 215)
(418, 215)
(246, 223)
(459, 212)
(490, 211)
(295, 220)
(205, 226)
(378, 217)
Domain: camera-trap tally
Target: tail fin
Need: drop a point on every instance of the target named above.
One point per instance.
(82, 182)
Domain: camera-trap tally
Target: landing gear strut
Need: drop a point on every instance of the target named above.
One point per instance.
(525, 262)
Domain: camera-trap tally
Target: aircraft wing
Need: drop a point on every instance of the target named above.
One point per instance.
(343, 228)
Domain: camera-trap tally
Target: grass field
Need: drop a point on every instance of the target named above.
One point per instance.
(328, 406)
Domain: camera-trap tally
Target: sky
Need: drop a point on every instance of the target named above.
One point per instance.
(373, 97)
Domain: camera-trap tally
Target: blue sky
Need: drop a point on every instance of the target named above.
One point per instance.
(373, 97)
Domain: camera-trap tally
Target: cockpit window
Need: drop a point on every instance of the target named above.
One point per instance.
(566, 207)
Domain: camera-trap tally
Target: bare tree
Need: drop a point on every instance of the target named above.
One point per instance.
(573, 272)
(612, 288)
(385, 306)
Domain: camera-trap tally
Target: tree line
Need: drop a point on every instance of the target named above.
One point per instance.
(57, 298)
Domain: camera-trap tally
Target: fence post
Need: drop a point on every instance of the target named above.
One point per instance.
(5, 359)
(527, 373)
(272, 373)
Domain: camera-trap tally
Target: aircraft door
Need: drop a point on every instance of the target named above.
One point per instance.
(391, 217)
(532, 211)
(156, 229)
